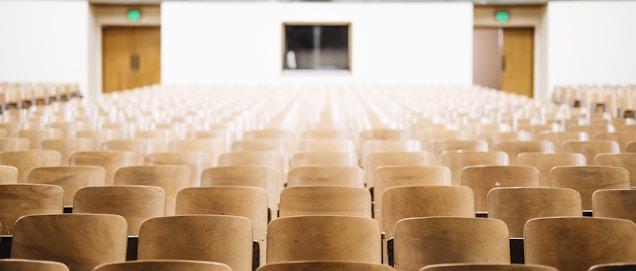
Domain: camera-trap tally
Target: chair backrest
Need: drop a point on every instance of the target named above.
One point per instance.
(517, 205)
(217, 238)
(31, 265)
(375, 160)
(483, 178)
(457, 160)
(625, 160)
(8, 174)
(303, 159)
(421, 201)
(325, 200)
(591, 148)
(326, 133)
(326, 175)
(485, 266)
(559, 137)
(515, 147)
(614, 203)
(321, 145)
(439, 146)
(433, 240)
(98, 136)
(213, 147)
(274, 160)
(171, 178)
(26, 160)
(577, 243)
(197, 161)
(335, 238)
(36, 136)
(387, 145)
(111, 161)
(14, 144)
(80, 241)
(324, 265)
(70, 178)
(267, 145)
(67, 146)
(622, 138)
(544, 162)
(494, 137)
(614, 267)
(587, 179)
(135, 203)
(141, 147)
(592, 129)
(631, 146)
(17, 200)
(164, 265)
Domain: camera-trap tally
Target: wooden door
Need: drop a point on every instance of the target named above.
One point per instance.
(518, 61)
(131, 57)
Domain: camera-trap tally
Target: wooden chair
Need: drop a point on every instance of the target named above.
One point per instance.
(141, 147)
(171, 178)
(213, 147)
(274, 160)
(31, 265)
(80, 241)
(249, 202)
(485, 266)
(24, 161)
(196, 161)
(325, 200)
(457, 160)
(433, 240)
(98, 136)
(12, 128)
(375, 160)
(390, 176)
(327, 134)
(614, 203)
(266, 145)
(164, 265)
(67, 146)
(217, 238)
(559, 137)
(17, 200)
(577, 243)
(483, 178)
(613, 267)
(587, 179)
(591, 148)
(69, 178)
(135, 203)
(8, 174)
(515, 147)
(422, 201)
(592, 129)
(304, 159)
(253, 176)
(544, 162)
(625, 160)
(331, 238)
(439, 146)
(322, 145)
(324, 265)
(494, 137)
(326, 175)
(516, 205)
(111, 161)
(36, 136)
(14, 144)
(622, 138)
(390, 146)
(631, 146)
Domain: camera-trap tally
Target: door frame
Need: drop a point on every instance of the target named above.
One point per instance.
(534, 16)
(111, 15)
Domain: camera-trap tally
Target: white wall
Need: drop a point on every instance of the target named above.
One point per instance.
(44, 41)
(591, 43)
(224, 42)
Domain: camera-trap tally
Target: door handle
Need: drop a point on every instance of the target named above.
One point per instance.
(134, 62)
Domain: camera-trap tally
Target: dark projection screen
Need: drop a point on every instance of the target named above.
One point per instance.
(316, 47)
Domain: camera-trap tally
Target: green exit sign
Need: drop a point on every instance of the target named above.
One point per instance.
(502, 16)
(133, 15)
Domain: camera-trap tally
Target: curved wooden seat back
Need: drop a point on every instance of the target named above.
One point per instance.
(621, 138)
(67, 146)
(325, 200)
(433, 240)
(587, 179)
(626, 160)
(614, 203)
(140, 147)
(517, 205)
(8, 174)
(14, 144)
(217, 238)
(457, 160)
(70, 178)
(329, 145)
(164, 265)
(98, 136)
(80, 241)
(333, 238)
(559, 137)
(494, 137)
(134, 203)
(26, 160)
(197, 161)
(212, 146)
(614, 267)
(274, 160)
(31, 265)
(439, 146)
(171, 178)
(591, 148)
(388, 145)
(515, 147)
(483, 178)
(422, 201)
(375, 160)
(325, 175)
(544, 162)
(489, 267)
(111, 161)
(325, 265)
(577, 243)
(36, 136)
(304, 159)
(17, 200)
